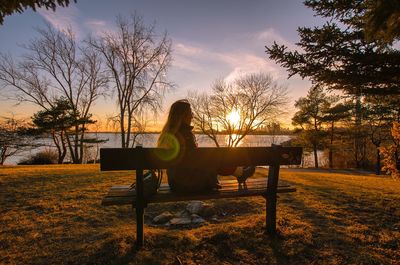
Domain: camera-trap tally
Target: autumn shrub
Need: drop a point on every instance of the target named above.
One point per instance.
(44, 157)
(389, 153)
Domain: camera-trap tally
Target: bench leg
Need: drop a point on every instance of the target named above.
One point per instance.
(272, 187)
(140, 205)
(271, 215)
(139, 227)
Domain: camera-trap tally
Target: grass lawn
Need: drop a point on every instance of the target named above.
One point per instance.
(52, 215)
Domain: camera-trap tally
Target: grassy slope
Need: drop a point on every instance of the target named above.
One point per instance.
(52, 215)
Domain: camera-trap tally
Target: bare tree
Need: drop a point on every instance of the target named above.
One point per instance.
(56, 66)
(137, 60)
(14, 138)
(238, 108)
(203, 115)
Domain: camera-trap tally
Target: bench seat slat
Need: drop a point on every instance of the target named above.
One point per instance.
(251, 183)
(120, 195)
(224, 183)
(123, 200)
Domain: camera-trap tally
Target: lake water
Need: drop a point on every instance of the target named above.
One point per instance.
(149, 140)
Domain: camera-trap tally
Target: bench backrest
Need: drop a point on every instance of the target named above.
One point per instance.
(204, 157)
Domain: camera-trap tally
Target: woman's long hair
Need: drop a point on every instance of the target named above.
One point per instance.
(178, 112)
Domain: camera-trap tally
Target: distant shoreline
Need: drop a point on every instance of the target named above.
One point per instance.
(197, 132)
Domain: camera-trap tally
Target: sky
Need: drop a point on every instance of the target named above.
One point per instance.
(212, 39)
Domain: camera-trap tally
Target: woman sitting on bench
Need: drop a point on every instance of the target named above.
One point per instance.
(177, 136)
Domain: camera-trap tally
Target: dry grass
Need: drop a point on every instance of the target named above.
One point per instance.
(52, 215)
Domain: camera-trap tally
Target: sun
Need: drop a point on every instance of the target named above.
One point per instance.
(233, 117)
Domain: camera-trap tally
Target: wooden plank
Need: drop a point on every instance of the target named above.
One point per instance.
(128, 198)
(204, 157)
(128, 192)
(226, 184)
(250, 181)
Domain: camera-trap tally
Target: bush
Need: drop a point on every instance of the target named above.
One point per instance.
(390, 159)
(41, 158)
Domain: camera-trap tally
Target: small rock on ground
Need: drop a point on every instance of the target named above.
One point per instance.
(180, 221)
(208, 210)
(197, 219)
(194, 207)
(163, 218)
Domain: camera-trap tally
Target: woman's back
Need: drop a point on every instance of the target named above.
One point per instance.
(178, 137)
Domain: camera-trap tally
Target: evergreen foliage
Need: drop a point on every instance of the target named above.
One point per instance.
(9, 7)
(337, 54)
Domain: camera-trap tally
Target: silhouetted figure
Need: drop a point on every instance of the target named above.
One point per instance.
(178, 138)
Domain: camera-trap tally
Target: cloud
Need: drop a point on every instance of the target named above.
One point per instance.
(185, 49)
(98, 27)
(96, 23)
(186, 57)
(237, 63)
(247, 63)
(186, 64)
(270, 35)
(250, 62)
(63, 18)
(71, 17)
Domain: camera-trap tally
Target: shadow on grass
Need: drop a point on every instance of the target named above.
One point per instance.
(345, 227)
(358, 207)
(57, 219)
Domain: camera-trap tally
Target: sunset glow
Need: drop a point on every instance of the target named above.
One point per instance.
(234, 118)
(200, 132)
(221, 46)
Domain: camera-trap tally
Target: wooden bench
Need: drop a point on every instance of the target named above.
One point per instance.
(141, 159)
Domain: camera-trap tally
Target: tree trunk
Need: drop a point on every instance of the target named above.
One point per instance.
(3, 155)
(64, 147)
(81, 144)
(71, 151)
(129, 129)
(57, 144)
(315, 155)
(378, 161)
(330, 148)
(78, 159)
(122, 129)
(357, 138)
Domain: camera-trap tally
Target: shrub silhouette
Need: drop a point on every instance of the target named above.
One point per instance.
(41, 158)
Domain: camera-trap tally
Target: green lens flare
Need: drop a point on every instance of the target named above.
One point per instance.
(171, 149)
